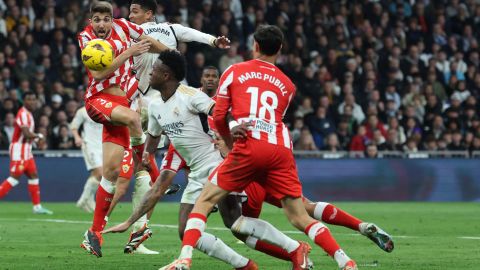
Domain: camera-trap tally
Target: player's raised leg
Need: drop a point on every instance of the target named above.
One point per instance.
(332, 214)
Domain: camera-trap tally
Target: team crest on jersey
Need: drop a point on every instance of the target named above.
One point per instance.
(176, 111)
(125, 168)
(108, 105)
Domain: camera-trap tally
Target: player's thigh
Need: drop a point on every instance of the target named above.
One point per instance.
(17, 168)
(183, 213)
(230, 209)
(124, 116)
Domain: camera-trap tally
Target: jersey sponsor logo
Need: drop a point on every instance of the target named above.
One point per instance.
(160, 30)
(260, 125)
(174, 128)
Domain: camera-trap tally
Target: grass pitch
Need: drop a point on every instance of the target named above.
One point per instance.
(427, 236)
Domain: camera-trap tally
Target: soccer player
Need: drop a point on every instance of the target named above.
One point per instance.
(21, 157)
(176, 114)
(106, 102)
(142, 12)
(257, 92)
(90, 142)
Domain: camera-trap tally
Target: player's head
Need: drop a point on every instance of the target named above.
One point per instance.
(267, 40)
(169, 67)
(209, 79)
(30, 100)
(101, 18)
(142, 11)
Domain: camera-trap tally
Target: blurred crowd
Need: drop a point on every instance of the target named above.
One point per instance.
(370, 75)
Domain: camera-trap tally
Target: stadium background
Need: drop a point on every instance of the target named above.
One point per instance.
(372, 76)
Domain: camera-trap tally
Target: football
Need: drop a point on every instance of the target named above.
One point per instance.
(97, 55)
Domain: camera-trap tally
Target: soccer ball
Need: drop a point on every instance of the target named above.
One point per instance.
(97, 55)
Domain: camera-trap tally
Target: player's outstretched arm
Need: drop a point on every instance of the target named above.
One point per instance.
(135, 50)
(187, 34)
(156, 46)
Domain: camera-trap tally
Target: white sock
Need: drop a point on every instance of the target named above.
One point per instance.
(193, 223)
(89, 188)
(319, 208)
(264, 231)
(341, 258)
(142, 186)
(216, 248)
(251, 242)
(13, 182)
(107, 185)
(134, 141)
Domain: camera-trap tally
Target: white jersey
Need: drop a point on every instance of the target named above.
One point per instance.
(92, 131)
(179, 119)
(169, 35)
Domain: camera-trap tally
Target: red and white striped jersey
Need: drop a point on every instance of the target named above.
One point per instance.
(121, 35)
(257, 92)
(21, 147)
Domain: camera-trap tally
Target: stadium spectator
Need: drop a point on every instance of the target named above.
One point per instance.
(389, 58)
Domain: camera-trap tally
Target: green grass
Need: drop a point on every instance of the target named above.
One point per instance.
(427, 238)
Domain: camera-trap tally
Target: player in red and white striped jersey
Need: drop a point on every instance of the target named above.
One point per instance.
(258, 93)
(21, 157)
(106, 101)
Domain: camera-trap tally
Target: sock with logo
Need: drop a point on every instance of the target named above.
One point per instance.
(331, 214)
(103, 199)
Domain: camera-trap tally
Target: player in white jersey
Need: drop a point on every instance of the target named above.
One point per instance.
(142, 13)
(90, 141)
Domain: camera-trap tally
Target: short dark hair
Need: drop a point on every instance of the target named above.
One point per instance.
(269, 39)
(175, 61)
(101, 7)
(210, 68)
(146, 4)
(29, 93)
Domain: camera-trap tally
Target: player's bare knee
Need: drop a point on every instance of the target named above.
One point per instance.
(111, 173)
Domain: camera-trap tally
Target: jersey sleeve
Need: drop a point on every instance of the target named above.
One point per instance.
(187, 34)
(119, 46)
(78, 119)
(22, 119)
(83, 39)
(154, 127)
(134, 30)
(200, 102)
(223, 102)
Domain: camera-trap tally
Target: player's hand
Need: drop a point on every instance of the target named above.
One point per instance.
(222, 42)
(140, 47)
(117, 228)
(240, 131)
(78, 141)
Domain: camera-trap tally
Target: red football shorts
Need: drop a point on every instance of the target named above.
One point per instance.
(19, 167)
(256, 196)
(126, 170)
(99, 107)
(272, 166)
(172, 161)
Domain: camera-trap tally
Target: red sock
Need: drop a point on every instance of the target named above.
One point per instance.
(5, 187)
(103, 200)
(154, 172)
(194, 228)
(272, 250)
(322, 237)
(34, 190)
(336, 216)
(138, 151)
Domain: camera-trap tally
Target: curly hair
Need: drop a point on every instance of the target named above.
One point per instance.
(175, 61)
